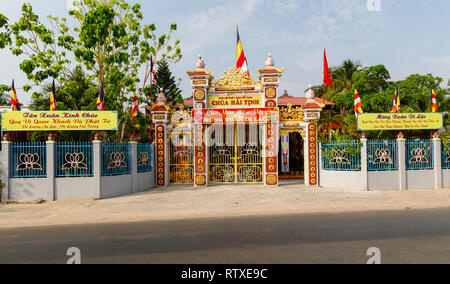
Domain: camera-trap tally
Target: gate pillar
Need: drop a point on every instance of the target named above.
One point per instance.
(312, 112)
(270, 80)
(160, 117)
(200, 81)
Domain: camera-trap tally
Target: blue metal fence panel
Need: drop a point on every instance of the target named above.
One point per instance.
(341, 156)
(28, 160)
(445, 156)
(382, 155)
(116, 159)
(145, 157)
(74, 159)
(419, 155)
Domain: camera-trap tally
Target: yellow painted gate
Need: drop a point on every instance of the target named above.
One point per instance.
(181, 153)
(235, 161)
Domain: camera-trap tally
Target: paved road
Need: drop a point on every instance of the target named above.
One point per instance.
(403, 237)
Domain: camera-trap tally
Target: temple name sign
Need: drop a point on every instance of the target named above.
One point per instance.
(231, 101)
(400, 121)
(59, 120)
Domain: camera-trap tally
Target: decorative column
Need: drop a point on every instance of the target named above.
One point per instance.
(270, 80)
(4, 167)
(364, 165)
(312, 111)
(97, 164)
(160, 117)
(437, 157)
(401, 144)
(134, 165)
(200, 81)
(51, 167)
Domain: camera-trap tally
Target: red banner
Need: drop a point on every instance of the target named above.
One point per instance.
(251, 115)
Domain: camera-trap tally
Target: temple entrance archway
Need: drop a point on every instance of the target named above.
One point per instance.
(235, 154)
(291, 155)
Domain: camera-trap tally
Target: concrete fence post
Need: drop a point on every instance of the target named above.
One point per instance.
(97, 164)
(134, 166)
(437, 158)
(4, 169)
(51, 167)
(320, 161)
(364, 168)
(402, 163)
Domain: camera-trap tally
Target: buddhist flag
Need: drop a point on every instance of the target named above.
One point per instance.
(135, 107)
(434, 107)
(397, 105)
(358, 104)
(14, 100)
(101, 100)
(241, 61)
(152, 70)
(326, 71)
(52, 98)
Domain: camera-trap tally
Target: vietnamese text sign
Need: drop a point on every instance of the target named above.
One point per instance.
(255, 115)
(59, 120)
(228, 101)
(400, 121)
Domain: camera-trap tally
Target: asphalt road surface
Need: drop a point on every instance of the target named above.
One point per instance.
(409, 236)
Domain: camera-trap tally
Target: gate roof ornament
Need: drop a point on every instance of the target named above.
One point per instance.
(269, 62)
(161, 103)
(234, 78)
(310, 95)
(200, 64)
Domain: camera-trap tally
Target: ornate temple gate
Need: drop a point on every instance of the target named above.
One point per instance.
(181, 158)
(249, 151)
(238, 159)
(181, 147)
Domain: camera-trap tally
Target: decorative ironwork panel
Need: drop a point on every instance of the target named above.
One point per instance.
(222, 164)
(74, 159)
(145, 157)
(237, 162)
(382, 155)
(116, 159)
(181, 155)
(28, 160)
(419, 155)
(445, 156)
(341, 156)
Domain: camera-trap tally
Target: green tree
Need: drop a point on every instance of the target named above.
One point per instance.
(343, 78)
(4, 99)
(77, 93)
(377, 94)
(110, 42)
(166, 81)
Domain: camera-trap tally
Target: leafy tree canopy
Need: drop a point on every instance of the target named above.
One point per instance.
(110, 43)
(377, 95)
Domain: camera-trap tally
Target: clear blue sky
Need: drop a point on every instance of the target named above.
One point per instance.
(408, 36)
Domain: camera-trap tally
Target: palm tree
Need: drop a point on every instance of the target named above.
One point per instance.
(342, 77)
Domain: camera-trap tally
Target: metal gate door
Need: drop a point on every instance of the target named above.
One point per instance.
(181, 164)
(236, 163)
